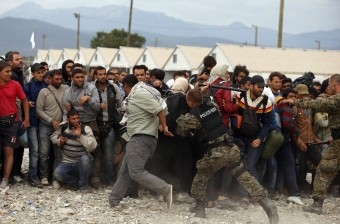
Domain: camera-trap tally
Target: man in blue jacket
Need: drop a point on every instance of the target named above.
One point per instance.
(32, 90)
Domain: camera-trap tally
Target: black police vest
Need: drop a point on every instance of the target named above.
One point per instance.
(212, 125)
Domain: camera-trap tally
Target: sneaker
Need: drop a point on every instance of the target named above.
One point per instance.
(56, 185)
(17, 179)
(185, 198)
(4, 184)
(160, 198)
(168, 197)
(36, 183)
(295, 199)
(85, 190)
(44, 181)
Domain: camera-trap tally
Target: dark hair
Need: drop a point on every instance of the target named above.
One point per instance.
(204, 70)
(75, 65)
(98, 68)
(315, 83)
(240, 68)
(76, 71)
(179, 73)
(244, 80)
(9, 55)
(63, 68)
(43, 63)
(209, 61)
(287, 91)
(313, 92)
(139, 67)
(54, 72)
(287, 80)
(324, 85)
(275, 74)
(4, 64)
(195, 96)
(72, 113)
(130, 80)
(158, 73)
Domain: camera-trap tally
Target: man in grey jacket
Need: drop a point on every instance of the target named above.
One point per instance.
(83, 97)
(77, 142)
(50, 112)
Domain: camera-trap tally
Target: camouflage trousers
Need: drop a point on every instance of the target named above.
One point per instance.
(327, 169)
(224, 157)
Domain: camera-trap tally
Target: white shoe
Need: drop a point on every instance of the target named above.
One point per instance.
(295, 199)
(17, 179)
(160, 198)
(44, 181)
(56, 185)
(4, 184)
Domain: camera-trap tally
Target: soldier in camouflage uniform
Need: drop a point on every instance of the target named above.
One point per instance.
(330, 163)
(204, 120)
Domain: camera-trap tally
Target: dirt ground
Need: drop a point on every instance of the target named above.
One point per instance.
(25, 204)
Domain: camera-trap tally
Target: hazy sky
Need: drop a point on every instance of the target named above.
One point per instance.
(299, 15)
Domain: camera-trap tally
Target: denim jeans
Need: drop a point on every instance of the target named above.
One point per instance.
(253, 157)
(45, 149)
(75, 173)
(138, 151)
(107, 153)
(33, 144)
(286, 162)
(268, 168)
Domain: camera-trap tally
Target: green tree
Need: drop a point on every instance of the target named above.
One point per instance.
(116, 38)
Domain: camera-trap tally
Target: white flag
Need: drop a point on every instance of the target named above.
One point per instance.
(32, 40)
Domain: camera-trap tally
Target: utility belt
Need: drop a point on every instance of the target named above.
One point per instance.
(335, 133)
(7, 121)
(223, 140)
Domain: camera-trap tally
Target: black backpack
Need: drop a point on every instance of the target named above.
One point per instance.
(249, 124)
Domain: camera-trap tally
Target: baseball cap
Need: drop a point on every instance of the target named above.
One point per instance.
(36, 66)
(302, 89)
(257, 80)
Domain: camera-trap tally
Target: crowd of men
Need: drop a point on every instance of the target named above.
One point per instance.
(212, 137)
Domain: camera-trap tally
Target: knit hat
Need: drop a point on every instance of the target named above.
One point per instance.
(180, 85)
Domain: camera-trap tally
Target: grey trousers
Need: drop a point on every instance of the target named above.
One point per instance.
(138, 151)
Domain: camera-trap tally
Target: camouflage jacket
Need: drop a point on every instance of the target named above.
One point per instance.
(330, 105)
(187, 123)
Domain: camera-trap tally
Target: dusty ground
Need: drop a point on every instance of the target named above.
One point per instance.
(25, 204)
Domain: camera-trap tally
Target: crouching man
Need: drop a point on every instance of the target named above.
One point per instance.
(77, 142)
(204, 120)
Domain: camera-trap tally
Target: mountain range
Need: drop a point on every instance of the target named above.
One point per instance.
(59, 26)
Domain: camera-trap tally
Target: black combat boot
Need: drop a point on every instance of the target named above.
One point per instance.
(316, 207)
(199, 209)
(270, 208)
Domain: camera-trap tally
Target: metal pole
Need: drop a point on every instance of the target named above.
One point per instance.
(319, 43)
(279, 38)
(129, 28)
(43, 40)
(77, 15)
(256, 28)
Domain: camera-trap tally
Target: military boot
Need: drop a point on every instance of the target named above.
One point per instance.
(316, 207)
(199, 209)
(270, 208)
